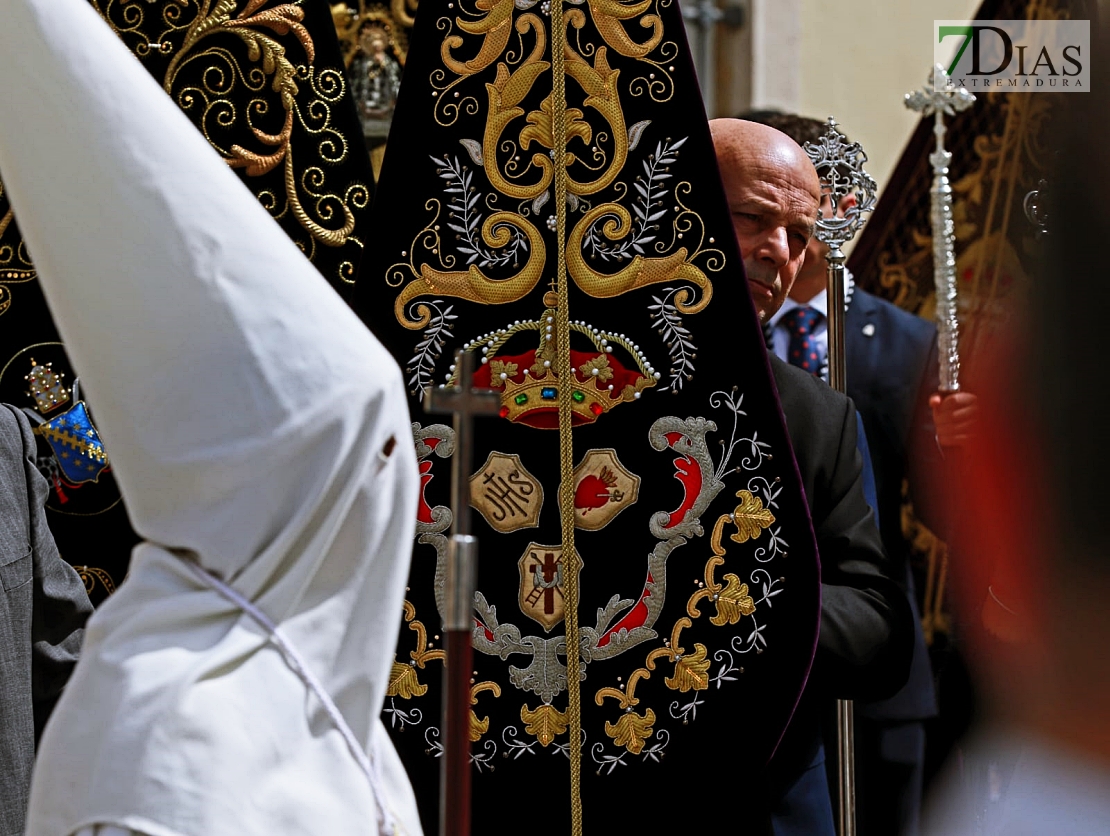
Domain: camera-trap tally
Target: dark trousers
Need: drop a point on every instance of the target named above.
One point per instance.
(805, 808)
(890, 768)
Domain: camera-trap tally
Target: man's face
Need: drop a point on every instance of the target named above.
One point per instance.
(773, 194)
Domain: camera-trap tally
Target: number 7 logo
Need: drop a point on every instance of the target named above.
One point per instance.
(967, 31)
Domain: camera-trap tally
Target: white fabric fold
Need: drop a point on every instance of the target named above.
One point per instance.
(247, 414)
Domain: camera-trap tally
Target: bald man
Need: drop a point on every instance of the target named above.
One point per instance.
(865, 643)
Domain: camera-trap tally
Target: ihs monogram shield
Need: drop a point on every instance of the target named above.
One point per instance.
(684, 495)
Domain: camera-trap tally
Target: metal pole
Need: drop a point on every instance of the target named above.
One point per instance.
(838, 360)
(840, 167)
(464, 402)
(845, 714)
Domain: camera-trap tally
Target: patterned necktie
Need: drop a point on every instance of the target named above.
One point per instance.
(804, 351)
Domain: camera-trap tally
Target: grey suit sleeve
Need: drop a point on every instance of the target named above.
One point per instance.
(61, 605)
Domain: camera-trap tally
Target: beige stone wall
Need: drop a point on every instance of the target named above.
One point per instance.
(883, 49)
(852, 59)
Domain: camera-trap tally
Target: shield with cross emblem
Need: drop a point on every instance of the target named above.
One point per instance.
(541, 583)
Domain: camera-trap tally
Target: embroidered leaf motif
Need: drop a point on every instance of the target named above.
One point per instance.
(732, 602)
(546, 722)
(539, 128)
(635, 132)
(498, 368)
(598, 367)
(403, 682)
(474, 149)
(750, 518)
(631, 730)
(477, 727)
(690, 671)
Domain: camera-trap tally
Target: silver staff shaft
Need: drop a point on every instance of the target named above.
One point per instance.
(944, 264)
(838, 356)
(938, 99)
(845, 715)
(850, 192)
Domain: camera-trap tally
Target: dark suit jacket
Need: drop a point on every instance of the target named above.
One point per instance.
(866, 636)
(892, 370)
(42, 615)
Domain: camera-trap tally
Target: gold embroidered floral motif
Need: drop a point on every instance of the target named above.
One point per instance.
(403, 682)
(631, 730)
(691, 674)
(15, 264)
(545, 723)
(205, 74)
(496, 26)
(750, 518)
(607, 16)
(641, 272)
(539, 127)
(91, 575)
(478, 727)
(732, 602)
(498, 368)
(472, 284)
(691, 671)
(598, 367)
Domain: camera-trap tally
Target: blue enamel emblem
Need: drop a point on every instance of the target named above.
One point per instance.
(76, 444)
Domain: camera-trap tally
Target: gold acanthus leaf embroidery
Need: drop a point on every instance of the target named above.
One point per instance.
(631, 730)
(598, 367)
(732, 602)
(403, 682)
(545, 723)
(539, 127)
(691, 672)
(750, 517)
(498, 368)
(479, 726)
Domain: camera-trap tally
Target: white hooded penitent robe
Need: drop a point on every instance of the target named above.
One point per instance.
(255, 427)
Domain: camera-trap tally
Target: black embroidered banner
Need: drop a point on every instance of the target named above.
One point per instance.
(686, 498)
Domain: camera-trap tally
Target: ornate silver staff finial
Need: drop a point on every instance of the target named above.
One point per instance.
(839, 164)
(938, 99)
(1036, 208)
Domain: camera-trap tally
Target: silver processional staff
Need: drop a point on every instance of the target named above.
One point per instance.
(938, 99)
(839, 164)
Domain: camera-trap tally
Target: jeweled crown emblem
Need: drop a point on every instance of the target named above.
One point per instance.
(45, 386)
(530, 387)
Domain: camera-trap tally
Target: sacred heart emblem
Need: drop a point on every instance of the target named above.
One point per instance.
(603, 487)
(506, 494)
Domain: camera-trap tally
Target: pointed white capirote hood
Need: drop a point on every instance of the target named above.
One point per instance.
(245, 410)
